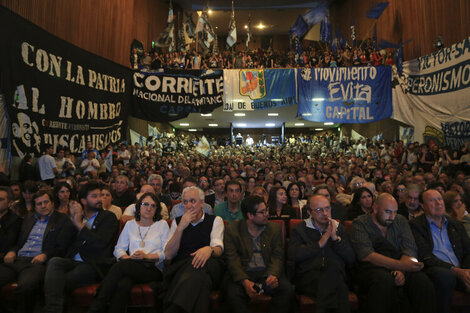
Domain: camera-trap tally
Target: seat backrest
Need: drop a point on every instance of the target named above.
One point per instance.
(283, 228)
(292, 223)
(348, 225)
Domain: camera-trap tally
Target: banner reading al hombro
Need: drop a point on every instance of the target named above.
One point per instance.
(169, 96)
(57, 93)
(258, 89)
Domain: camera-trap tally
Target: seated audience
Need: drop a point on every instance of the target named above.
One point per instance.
(230, 210)
(361, 203)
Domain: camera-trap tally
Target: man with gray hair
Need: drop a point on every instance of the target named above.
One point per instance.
(411, 208)
(194, 245)
(123, 196)
(156, 181)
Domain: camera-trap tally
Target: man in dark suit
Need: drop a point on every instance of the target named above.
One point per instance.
(255, 259)
(10, 223)
(44, 234)
(320, 248)
(213, 199)
(88, 255)
(443, 247)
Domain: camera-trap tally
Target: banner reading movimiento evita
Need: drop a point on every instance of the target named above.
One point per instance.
(345, 95)
(57, 93)
(255, 89)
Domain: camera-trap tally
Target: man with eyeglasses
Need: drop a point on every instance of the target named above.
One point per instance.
(255, 257)
(45, 233)
(387, 260)
(321, 250)
(411, 208)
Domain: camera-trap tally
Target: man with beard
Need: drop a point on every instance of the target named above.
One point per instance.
(89, 254)
(255, 258)
(386, 253)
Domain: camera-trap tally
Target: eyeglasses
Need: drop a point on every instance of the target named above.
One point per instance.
(321, 210)
(146, 205)
(401, 189)
(262, 212)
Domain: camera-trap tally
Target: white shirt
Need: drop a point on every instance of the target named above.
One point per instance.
(90, 165)
(217, 233)
(46, 164)
(154, 237)
(124, 154)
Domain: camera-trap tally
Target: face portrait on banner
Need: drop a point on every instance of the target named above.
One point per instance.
(26, 134)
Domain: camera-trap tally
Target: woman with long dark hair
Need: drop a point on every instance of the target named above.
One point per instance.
(277, 204)
(361, 203)
(294, 197)
(25, 204)
(63, 195)
(139, 252)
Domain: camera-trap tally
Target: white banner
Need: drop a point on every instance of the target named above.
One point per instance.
(434, 94)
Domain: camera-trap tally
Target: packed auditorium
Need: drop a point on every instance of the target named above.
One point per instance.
(235, 156)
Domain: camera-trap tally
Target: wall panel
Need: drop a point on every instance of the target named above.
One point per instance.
(421, 20)
(105, 28)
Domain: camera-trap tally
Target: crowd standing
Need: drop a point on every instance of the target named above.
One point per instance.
(318, 55)
(384, 219)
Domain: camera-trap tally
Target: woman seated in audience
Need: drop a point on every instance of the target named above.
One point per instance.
(139, 252)
(361, 203)
(63, 195)
(277, 204)
(294, 196)
(25, 204)
(399, 192)
(456, 208)
(106, 202)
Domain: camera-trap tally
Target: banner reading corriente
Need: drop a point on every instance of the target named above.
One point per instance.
(169, 96)
(345, 95)
(255, 89)
(57, 93)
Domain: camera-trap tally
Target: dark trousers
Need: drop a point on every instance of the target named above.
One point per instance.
(381, 291)
(29, 278)
(118, 283)
(189, 288)
(327, 285)
(445, 283)
(65, 274)
(238, 300)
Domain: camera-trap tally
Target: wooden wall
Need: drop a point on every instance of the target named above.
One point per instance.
(105, 28)
(420, 20)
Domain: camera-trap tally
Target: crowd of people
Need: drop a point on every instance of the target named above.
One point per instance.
(320, 55)
(384, 219)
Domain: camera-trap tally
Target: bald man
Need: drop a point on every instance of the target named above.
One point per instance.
(320, 248)
(386, 254)
(443, 247)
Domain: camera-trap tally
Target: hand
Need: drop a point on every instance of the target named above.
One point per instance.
(407, 265)
(138, 255)
(248, 285)
(333, 235)
(326, 235)
(10, 257)
(462, 274)
(201, 256)
(39, 259)
(399, 278)
(125, 257)
(187, 218)
(272, 281)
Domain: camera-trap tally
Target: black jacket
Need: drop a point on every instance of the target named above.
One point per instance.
(10, 225)
(58, 235)
(457, 237)
(96, 245)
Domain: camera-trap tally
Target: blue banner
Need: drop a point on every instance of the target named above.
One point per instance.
(345, 94)
(255, 89)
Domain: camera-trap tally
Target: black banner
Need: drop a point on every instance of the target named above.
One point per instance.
(57, 93)
(172, 95)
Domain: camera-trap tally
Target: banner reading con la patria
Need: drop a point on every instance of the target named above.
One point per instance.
(57, 93)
